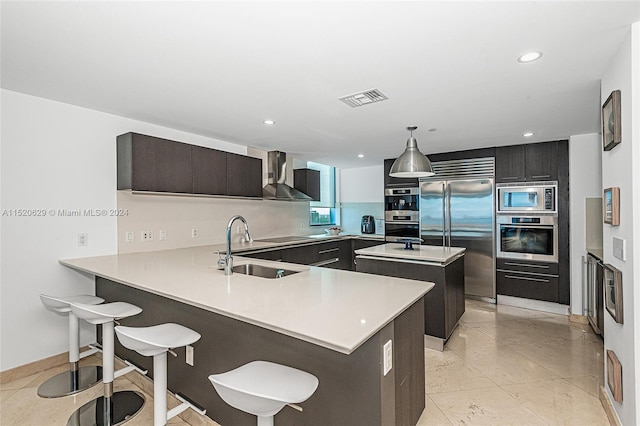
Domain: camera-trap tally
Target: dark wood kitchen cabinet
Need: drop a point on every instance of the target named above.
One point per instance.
(244, 175)
(357, 244)
(527, 163)
(209, 171)
(332, 254)
(308, 182)
(147, 163)
(541, 161)
(329, 254)
(510, 164)
(444, 304)
(528, 279)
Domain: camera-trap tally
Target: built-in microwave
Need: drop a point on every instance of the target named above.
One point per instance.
(527, 197)
(527, 238)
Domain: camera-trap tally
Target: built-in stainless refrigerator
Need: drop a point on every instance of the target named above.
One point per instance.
(457, 209)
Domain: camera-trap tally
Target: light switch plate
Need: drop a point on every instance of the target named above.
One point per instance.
(387, 354)
(619, 248)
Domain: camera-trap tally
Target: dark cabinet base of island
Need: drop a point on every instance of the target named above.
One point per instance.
(352, 391)
(443, 305)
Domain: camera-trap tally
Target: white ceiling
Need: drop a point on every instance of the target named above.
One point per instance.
(220, 68)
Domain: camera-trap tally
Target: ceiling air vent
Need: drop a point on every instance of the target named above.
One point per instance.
(363, 98)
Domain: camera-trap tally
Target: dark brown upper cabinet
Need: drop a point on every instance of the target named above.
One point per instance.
(394, 182)
(510, 163)
(147, 163)
(308, 182)
(527, 163)
(209, 171)
(542, 161)
(244, 176)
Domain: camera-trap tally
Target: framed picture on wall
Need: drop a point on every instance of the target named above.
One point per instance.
(611, 121)
(614, 375)
(611, 206)
(612, 281)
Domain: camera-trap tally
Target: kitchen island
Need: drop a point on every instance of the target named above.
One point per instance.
(444, 266)
(328, 322)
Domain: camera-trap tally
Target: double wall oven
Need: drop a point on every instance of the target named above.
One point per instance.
(527, 238)
(527, 221)
(401, 213)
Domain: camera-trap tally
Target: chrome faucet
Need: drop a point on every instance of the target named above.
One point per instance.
(227, 262)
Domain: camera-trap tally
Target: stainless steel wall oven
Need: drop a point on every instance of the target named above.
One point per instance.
(527, 237)
(402, 213)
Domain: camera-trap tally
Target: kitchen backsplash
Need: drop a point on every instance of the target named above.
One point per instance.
(351, 215)
(178, 216)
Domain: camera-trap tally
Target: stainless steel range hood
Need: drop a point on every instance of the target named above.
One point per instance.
(277, 189)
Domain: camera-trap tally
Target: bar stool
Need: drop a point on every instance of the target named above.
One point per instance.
(156, 341)
(263, 388)
(112, 408)
(75, 379)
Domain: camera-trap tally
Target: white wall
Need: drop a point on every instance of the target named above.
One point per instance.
(178, 215)
(585, 181)
(618, 171)
(56, 156)
(361, 192)
(362, 185)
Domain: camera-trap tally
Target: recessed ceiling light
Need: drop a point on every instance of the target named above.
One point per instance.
(528, 134)
(530, 57)
(360, 155)
(269, 122)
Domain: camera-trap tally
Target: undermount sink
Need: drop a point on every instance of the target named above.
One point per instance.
(262, 271)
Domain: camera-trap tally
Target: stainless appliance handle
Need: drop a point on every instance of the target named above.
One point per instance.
(584, 264)
(526, 278)
(444, 215)
(328, 250)
(449, 216)
(527, 265)
(326, 262)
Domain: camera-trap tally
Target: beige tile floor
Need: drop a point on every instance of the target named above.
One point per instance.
(502, 366)
(511, 366)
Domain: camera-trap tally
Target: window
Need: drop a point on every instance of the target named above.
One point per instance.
(323, 212)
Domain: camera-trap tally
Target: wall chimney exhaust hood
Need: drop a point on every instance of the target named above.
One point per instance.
(277, 189)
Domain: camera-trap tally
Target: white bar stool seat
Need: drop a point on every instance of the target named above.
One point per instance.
(263, 388)
(76, 379)
(156, 341)
(112, 408)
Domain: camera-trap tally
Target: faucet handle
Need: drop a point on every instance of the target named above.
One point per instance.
(221, 261)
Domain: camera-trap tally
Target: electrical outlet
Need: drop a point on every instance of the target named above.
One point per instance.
(238, 229)
(189, 355)
(129, 236)
(146, 236)
(387, 352)
(194, 233)
(162, 235)
(83, 240)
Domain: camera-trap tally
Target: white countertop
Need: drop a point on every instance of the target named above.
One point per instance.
(422, 253)
(335, 309)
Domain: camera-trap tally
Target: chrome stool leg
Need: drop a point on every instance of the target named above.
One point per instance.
(76, 379)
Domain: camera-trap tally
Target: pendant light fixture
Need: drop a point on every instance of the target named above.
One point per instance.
(412, 163)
